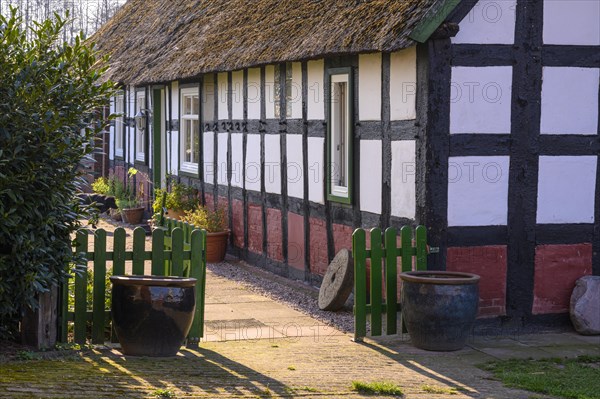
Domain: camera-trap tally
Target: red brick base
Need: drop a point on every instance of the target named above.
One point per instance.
(342, 237)
(557, 267)
(296, 241)
(274, 235)
(490, 263)
(319, 259)
(255, 229)
(237, 208)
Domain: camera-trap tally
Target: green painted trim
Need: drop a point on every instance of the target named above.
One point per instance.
(157, 136)
(433, 18)
(341, 71)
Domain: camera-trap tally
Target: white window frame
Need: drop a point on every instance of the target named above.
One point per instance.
(185, 135)
(119, 128)
(140, 134)
(339, 135)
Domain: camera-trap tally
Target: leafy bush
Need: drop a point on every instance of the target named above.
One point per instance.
(101, 186)
(50, 93)
(181, 197)
(203, 218)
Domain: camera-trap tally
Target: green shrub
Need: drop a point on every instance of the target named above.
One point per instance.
(203, 218)
(50, 92)
(101, 186)
(180, 197)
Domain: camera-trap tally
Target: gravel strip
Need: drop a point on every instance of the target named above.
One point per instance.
(299, 296)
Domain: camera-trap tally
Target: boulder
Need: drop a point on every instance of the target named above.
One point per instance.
(585, 305)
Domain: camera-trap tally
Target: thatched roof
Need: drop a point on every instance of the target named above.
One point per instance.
(153, 41)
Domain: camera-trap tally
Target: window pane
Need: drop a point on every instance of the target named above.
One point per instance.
(339, 131)
(196, 141)
(195, 105)
(187, 142)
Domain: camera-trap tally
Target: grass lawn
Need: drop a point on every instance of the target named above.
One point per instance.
(568, 378)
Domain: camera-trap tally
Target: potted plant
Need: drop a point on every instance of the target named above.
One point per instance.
(214, 222)
(130, 205)
(439, 308)
(179, 198)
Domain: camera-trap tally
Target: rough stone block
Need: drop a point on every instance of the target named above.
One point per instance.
(585, 305)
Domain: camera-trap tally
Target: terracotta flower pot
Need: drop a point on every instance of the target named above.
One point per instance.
(216, 246)
(152, 315)
(132, 215)
(439, 308)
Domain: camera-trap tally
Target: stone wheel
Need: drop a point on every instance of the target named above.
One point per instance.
(338, 282)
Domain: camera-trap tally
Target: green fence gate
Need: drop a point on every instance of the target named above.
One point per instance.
(169, 256)
(383, 275)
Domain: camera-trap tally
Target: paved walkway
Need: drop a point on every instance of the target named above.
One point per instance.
(257, 348)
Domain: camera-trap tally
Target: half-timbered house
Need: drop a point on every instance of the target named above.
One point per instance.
(309, 118)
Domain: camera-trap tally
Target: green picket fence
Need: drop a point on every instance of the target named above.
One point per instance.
(175, 259)
(383, 288)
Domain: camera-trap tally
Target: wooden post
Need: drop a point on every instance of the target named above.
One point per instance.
(39, 328)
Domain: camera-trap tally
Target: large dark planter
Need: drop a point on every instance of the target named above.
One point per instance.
(152, 315)
(439, 308)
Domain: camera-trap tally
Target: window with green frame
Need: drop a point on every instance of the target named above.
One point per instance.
(339, 135)
(119, 109)
(140, 133)
(189, 130)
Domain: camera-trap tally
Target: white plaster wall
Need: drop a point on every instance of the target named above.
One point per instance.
(254, 93)
(480, 99)
(478, 191)
(253, 175)
(209, 152)
(131, 130)
(296, 95)
(223, 112)
(222, 159)
(208, 98)
(269, 91)
(272, 164)
(370, 176)
(150, 132)
(175, 100)
(566, 189)
(369, 87)
(174, 148)
(316, 169)
(316, 90)
(403, 84)
(111, 130)
(570, 100)
(174, 143)
(237, 160)
(489, 22)
(295, 169)
(403, 179)
(572, 22)
(237, 95)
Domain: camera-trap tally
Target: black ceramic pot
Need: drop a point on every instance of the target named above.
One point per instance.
(152, 315)
(439, 308)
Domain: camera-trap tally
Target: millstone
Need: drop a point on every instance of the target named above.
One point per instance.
(585, 305)
(338, 282)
